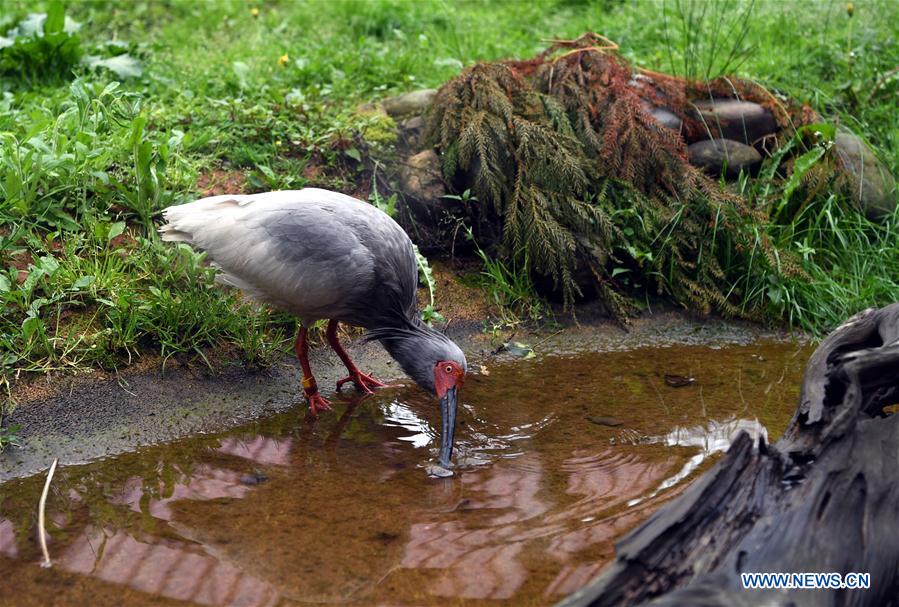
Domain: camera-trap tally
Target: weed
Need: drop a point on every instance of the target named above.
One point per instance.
(428, 314)
(42, 46)
(46, 47)
(510, 287)
(9, 436)
(89, 155)
(712, 37)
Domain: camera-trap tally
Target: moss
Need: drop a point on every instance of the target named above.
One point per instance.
(377, 128)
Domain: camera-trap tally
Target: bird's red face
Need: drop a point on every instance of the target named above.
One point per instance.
(447, 374)
(448, 378)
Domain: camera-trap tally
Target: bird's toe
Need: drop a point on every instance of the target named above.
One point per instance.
(318, 403)
(364, 383)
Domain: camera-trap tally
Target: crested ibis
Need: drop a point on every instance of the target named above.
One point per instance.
(320, 254)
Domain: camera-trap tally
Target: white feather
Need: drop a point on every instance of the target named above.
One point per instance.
(228, 228)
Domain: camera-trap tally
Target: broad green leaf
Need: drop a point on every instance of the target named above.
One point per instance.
(83, 282)
(31, 325)
(35, 308)
(115, 229)
(137, 129)
(49, 264)
(801, 166)
(56, 18)
(241, 70)
(123, 66)
(820, 130)
(267, 171)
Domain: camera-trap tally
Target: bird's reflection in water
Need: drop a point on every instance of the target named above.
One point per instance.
(8, 546)
(512, 519)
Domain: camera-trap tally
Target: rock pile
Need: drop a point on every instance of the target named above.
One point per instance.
(733, 136)
(724, 136)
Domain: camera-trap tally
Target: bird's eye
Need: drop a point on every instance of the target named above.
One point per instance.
(449, 369)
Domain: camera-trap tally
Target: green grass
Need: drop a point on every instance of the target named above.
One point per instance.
(510, 288)
(84, 158)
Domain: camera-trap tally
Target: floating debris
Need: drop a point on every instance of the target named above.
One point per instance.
(605, 421)
(678, 381)
(517, 349)
(257, 477)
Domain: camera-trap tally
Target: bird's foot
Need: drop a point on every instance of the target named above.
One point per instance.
(317, 403)
(364, 383)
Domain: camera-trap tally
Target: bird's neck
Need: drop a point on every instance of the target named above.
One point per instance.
(412, 348)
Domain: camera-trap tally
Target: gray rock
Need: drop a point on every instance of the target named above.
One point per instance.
(604, 421)
(874, 187)
(421, 183)
(716, 154)
(415, 102)
(666, 118)
(647, 88)
(741, 121)
(411, 130)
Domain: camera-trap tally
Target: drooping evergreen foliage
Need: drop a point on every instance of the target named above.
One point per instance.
(563, 153)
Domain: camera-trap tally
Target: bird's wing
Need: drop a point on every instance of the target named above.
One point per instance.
(295, 249)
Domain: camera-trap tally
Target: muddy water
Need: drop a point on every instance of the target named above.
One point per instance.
(560, 457)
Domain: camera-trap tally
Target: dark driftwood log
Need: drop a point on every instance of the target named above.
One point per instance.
(824, 498)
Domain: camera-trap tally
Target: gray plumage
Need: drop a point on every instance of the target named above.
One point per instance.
(319, 254)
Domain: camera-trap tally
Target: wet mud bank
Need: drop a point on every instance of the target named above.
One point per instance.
(81, 418)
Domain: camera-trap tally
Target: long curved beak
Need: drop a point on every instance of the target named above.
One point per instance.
(448, 426)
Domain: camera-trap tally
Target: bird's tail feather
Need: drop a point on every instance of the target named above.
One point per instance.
(170, 234)
(184, 219)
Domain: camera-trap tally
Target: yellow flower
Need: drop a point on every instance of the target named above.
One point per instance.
(850, 8)
(254, 11)
(283, 59)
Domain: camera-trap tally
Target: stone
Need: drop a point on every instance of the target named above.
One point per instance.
(742, 121)
(415, 102)
(873, 186)
(421, 177)
(410, 132)
(666, 118)
(678, 381)
(421, 183)
(716, 154)
(605, 421)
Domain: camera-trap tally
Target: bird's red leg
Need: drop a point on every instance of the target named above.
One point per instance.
(363, 382)
(317, 402)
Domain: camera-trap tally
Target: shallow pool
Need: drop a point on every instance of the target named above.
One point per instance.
(558, 456)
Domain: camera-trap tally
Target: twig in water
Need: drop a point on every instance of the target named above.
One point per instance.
(545, 339)
(40, 515)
